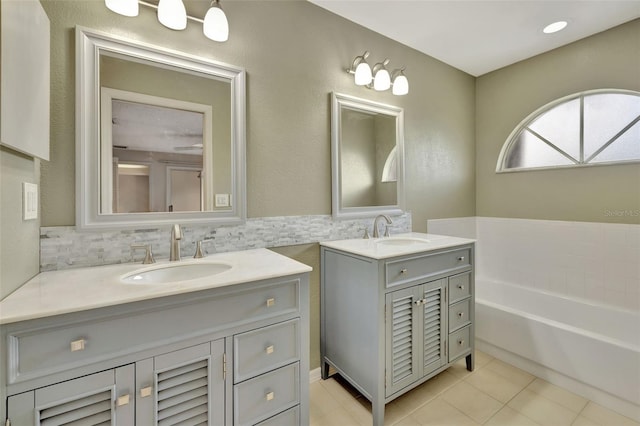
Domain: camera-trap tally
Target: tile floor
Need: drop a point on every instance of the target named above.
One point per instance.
(495, 394)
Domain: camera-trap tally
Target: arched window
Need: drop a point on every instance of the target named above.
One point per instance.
(588, 128)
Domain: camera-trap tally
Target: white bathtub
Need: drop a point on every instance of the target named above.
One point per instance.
(590, 344)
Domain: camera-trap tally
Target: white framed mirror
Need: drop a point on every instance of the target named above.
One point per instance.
(367, 157)
(160, 136)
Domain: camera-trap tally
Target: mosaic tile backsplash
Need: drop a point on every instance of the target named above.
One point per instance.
(63, 247)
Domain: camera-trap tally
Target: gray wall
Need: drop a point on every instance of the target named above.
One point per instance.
(295, 54)
(19, 239)
(503, 98)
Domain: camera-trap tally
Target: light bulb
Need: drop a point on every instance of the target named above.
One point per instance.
(400, 85)
(123, 7)
(363, 74)
(216, 26)
(172, 14)
(382, 80)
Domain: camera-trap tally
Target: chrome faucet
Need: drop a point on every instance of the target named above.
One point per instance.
(176, 236)
(376, 233)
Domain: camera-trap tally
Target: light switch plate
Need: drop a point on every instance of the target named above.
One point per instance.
(222, 200)
(29, 201)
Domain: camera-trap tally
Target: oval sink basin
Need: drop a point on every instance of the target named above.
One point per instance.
(170, 273)
(401, 241)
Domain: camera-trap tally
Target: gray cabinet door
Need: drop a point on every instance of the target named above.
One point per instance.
(415, 333)
(104, 398)
(434, 326)
(403, 325)
(184, 387)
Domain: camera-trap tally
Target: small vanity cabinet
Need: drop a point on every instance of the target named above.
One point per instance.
(393, 317)
(226, 355)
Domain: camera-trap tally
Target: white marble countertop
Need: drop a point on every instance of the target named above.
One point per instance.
(396, 245)
(73, 290)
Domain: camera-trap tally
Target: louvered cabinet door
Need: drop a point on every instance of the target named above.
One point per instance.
(434, 327)
(185, 387)
(403, 339)
(98, 399)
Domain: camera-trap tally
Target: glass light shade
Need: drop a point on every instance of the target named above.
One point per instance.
(123, 7)
(216, 26)
(172, 14)
(400, 85)
(363, 74)
(382, 80)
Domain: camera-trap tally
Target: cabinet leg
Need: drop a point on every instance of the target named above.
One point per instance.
(470, 361)
(324, 370)
(377, 411)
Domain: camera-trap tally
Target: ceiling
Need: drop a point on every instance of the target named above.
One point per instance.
(479, 36)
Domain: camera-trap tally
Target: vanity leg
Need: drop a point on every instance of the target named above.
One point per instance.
(470, 361)
(324, 370)
(377, 411)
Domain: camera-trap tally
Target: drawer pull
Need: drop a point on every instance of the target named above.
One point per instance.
(461, 258)
(404, 271)
(460, 314)
(461, 342)
(269, 349)
(78, 345)
(145, 392)
(271, 302)
(122, 400)
(270, 396)
(461, 287)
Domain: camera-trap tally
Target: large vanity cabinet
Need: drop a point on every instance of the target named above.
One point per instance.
(229, 355)
(389, 322)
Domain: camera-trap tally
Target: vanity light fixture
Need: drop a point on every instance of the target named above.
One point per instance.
(123, 7)
(216, 26)
(379, 78)
(172, 14)
(400, 84)
(361, 70)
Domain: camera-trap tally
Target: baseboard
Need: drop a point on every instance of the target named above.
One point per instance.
(314, 375)
(612, 402)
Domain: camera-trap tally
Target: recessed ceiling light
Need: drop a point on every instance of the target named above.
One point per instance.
(555, 27)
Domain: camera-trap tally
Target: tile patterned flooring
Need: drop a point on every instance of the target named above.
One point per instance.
(495, 394)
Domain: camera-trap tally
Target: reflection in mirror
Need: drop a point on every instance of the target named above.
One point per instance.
(167, 130)
(367, 147)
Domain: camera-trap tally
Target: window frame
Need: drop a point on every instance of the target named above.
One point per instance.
(515, 133)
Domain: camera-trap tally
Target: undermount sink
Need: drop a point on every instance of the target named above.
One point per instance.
(401, 241)
(163, 274)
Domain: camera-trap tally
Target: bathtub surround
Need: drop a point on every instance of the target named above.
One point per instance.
(570, 292)
(63, 247)
(595, 262)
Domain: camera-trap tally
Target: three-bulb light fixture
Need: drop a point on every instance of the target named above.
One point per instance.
(172, 14)
(379, 77)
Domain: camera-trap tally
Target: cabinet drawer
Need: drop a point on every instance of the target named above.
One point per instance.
(408, 269)
(291, 417)
(459, 342)
(459, 287)
(264, 396)
(265, 349)
(41, 351)
(459, 315)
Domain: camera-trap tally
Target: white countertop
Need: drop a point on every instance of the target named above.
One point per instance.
(378, 248)
(73, 290)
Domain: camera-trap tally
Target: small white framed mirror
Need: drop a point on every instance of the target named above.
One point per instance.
(367, 157)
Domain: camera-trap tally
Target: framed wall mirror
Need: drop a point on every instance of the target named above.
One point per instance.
(367, 156)
(160, 136)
